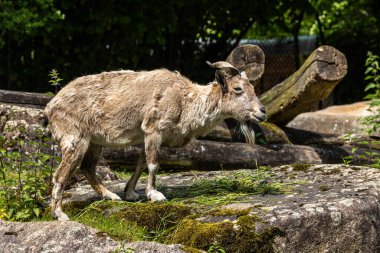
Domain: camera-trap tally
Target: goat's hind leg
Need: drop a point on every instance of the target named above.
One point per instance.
(88, 167)
(71, 157)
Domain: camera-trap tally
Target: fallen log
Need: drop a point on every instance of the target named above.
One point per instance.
(223, 155)
(29, 99)
(314, 81)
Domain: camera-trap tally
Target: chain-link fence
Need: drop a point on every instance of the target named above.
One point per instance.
(280, 58)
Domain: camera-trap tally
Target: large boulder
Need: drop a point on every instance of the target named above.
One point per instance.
(52, 237)
(338, 119)
(327, 208)
(68, 237)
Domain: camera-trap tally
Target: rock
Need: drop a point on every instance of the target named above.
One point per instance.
(327, 208)
(338, 120)
(148, 247)
(53, 237)
(15, 113)
(67, 237)
(336, 211)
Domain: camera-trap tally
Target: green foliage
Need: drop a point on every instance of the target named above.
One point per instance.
(22, 18)
(369, 157)
(26, 162)
(372, 75)
(371, 122)
(215, 248)
(84, 37)
(55, 80)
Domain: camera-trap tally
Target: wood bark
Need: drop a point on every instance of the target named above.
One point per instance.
(24, 98)
(223, 155)
(314, 81)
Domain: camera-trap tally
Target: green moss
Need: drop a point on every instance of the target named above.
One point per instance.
(155, 216)
(131, 221)
(201, 234)
(240, 236)
(229, 212)
(113, 226)
(301, 167)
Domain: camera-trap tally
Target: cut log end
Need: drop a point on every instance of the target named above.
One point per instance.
(331, 63)
(248, 58)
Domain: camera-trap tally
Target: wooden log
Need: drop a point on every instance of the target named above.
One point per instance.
(24, 98)
(248, 58)
(314, 81)
(223, 155)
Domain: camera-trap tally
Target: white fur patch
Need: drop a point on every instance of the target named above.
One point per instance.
(68, 143)
(152, 167)
(57, 191)
(155, 196)
(112, 196)
(244, 75)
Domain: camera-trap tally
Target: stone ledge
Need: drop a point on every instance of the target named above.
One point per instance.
(331, 208)
(68, 237)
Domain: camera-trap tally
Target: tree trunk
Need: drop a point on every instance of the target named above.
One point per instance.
(314, 81)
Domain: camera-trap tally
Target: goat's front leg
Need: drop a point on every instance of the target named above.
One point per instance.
(130, 187)
(152, 146)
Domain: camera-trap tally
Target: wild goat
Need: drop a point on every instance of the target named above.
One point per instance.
(123, 108)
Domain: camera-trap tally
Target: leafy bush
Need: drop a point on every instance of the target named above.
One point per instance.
(371, 122)
(372, 74)
(27, 156)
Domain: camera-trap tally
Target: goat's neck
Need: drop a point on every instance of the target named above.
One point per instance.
(207, 106)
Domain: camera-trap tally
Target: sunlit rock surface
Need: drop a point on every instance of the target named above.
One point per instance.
(328, 208)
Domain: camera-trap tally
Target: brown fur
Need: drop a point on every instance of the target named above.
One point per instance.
(123, 108)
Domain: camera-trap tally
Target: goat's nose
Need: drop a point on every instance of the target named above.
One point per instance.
(262, 109)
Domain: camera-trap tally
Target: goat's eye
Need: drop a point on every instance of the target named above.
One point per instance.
(238, 90)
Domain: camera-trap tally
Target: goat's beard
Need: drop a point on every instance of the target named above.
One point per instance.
(248, 132)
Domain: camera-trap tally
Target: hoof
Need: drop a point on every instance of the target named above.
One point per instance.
(61, 216)
(112, 196)
(155, 196)
(132, 196)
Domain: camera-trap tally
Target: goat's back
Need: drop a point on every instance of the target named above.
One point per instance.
(110, 103)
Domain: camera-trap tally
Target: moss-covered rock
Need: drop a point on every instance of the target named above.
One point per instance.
(242, 235)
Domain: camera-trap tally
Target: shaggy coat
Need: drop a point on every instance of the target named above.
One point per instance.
(123, 108)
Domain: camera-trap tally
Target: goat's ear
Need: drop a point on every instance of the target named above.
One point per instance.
(220, 77)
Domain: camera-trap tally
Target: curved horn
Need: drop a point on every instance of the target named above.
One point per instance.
(219, 64)
(224, 65)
